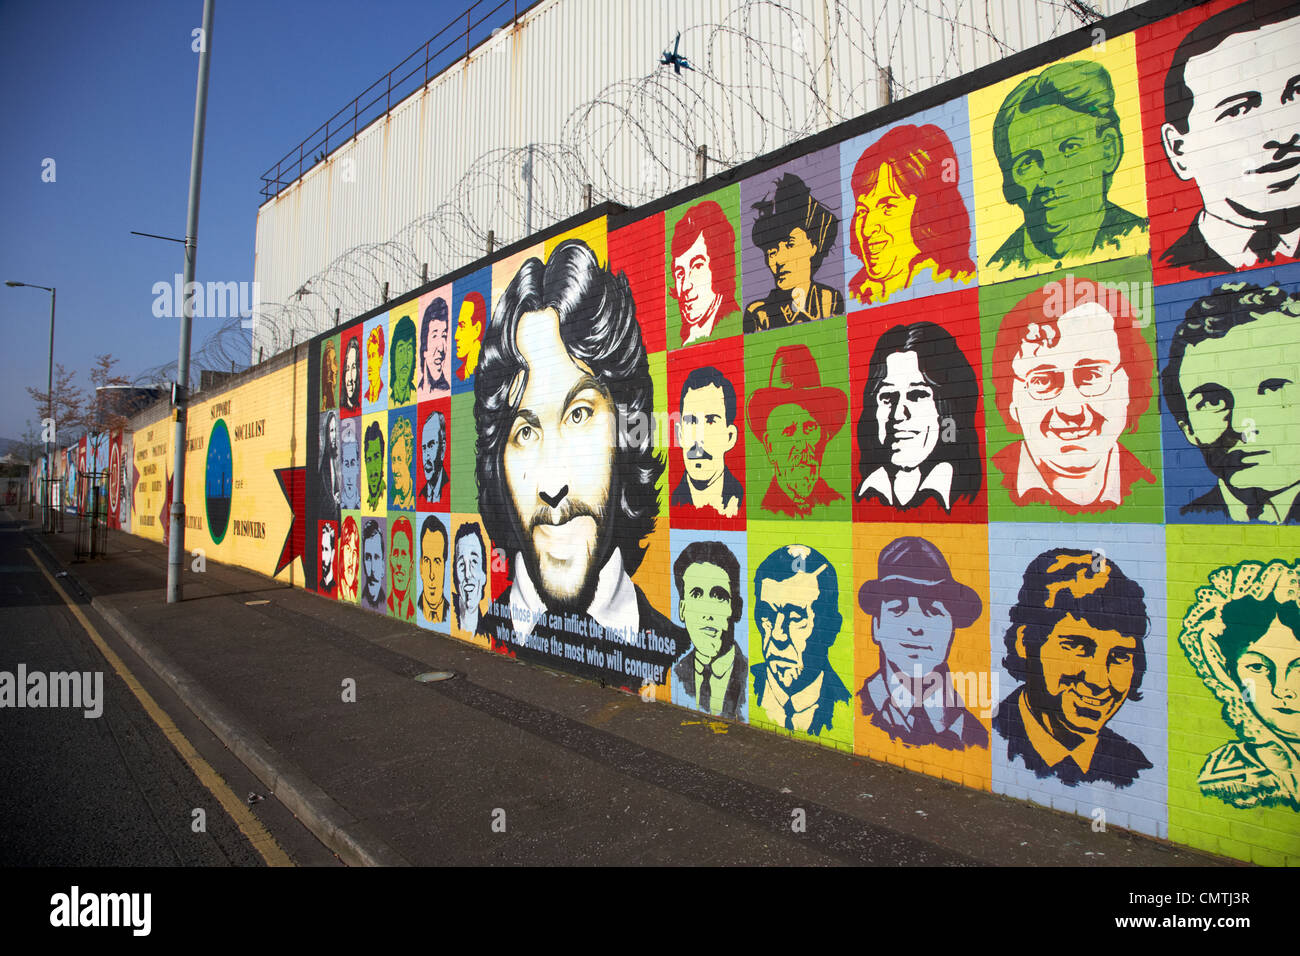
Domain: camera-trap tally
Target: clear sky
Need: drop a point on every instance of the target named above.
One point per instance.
(106, 90)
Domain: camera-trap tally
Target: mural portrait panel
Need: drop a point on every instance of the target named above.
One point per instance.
(374, 559)
(706, 388)
(351, 376)
(1072, 374)
(567, 472)
(1231, 389)
(703, 269)
(712, 675)
(910, 192)
(434, 360)
(402, 354)
(793, 264)
(1062, 165)
(1221, 112)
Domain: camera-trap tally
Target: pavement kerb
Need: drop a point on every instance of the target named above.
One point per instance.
(334, 826)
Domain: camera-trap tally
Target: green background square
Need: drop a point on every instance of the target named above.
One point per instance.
(828, 340)
(1145, 502)
(1264, 835)
(729, 200)
(834, 540)
(464, 486)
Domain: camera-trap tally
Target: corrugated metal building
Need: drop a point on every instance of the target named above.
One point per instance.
(572, 95)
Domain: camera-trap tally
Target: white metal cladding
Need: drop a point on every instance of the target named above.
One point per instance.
(575, 88)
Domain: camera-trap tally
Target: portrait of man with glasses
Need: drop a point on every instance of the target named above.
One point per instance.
(1071, 377)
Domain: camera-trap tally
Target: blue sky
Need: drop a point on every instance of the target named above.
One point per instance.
(106, 90)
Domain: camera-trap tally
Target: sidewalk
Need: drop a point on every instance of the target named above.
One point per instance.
(577, 774)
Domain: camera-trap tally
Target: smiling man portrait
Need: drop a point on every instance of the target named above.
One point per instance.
(1076, 642)
(1071, 384)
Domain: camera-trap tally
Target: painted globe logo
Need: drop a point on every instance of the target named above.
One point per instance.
(218, 479)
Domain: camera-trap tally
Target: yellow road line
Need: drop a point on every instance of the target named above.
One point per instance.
(248, 824)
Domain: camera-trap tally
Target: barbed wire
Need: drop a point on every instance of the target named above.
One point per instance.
(767, 77)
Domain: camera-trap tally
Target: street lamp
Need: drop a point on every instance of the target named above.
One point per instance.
(48, 517)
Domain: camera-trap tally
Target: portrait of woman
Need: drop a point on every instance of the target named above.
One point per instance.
(908, 215)
(1243, 638)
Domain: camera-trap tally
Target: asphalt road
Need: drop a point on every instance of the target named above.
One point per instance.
(110, 790)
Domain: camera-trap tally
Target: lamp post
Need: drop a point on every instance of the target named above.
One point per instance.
(47, 519)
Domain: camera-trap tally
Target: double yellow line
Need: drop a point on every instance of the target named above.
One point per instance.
(248, 824)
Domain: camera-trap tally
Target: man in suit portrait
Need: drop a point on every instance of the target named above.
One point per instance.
(796, 608)
(1232, 125)
(1237, 403)
(706, 431)
(712, 673)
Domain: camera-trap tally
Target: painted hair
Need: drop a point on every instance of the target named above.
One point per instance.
(920, 158)
(1214, 316)
(1079, 85)
(1087, 585)
(719, 555)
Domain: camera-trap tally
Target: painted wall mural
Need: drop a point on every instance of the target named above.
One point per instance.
(968, 442)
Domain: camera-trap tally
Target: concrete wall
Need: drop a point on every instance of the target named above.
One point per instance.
(1004, 491)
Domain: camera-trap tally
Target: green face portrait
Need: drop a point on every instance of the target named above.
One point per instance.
(1061, 164)
(1242, 415)
(706, 607)
(792, 440)
(403, 369)
(374, 465)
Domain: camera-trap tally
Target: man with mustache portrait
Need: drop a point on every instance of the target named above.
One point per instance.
(795, 417)
(706, 431)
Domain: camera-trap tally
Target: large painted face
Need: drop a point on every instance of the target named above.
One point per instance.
(351, 375)
(790, 260)
(351, 478)
(431, 446)
(1071, 398)
(1242, 414)
(787, 623)
(791, 443)
(402, 465)
(693, 281)
(432, 548)
(705, 607)
(1242, 144)
(374, 465)
(1058, 157)
(1085, 674)
(470, 572)
(435, 351)
(1270, 670)
(399, 561)
(703, 433)
(914, 634)
(559, 462)
(907, 418)
(373, 559)
(882, 224)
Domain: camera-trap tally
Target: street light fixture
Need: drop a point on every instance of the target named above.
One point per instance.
(47, 512)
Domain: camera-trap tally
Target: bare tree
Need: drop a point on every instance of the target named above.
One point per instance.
(101, 408)
(69, 402)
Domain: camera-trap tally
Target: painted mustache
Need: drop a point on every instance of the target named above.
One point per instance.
(697, 451)
(566, 512)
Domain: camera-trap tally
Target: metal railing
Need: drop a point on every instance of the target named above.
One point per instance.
(443, 50)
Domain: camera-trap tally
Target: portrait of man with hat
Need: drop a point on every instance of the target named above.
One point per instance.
(795, 416)
(916, 607)
(794, 232)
